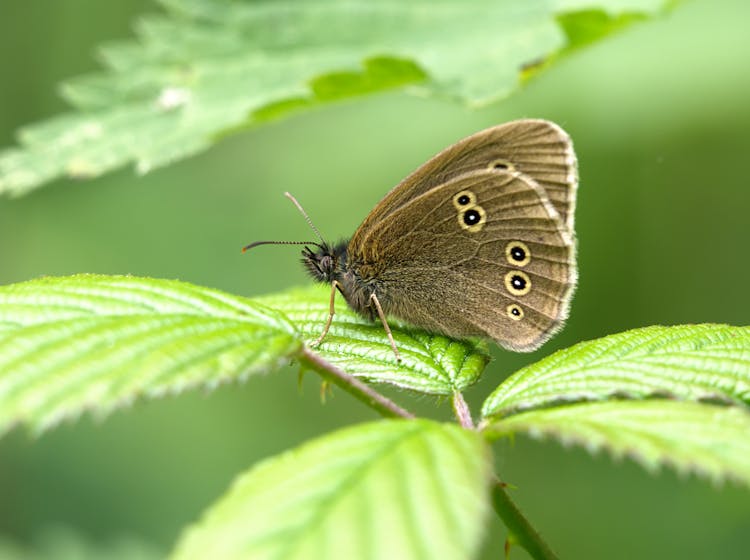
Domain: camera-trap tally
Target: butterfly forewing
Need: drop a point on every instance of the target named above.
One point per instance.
(484, 253)
(538, 148)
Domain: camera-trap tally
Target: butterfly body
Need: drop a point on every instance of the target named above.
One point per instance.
(478, 241)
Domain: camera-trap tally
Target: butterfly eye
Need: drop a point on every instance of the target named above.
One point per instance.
(514, 312)
(472, 219)
(464, 199)
(518, 283)
(517, 253)
(502, 165)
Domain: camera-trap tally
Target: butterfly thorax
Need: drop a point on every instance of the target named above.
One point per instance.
(329, 263)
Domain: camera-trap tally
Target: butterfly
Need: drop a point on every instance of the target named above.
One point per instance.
(478, 241)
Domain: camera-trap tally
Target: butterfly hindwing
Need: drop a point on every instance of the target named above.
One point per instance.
(485, 253)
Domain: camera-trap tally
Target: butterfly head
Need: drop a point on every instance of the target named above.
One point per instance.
(326, 261)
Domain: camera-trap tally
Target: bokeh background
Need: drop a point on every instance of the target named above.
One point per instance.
(660, 116)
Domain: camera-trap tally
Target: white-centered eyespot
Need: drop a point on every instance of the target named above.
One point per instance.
(472, 219)
(517, 253)
(514, 311)
(517, 283)
(464, 199)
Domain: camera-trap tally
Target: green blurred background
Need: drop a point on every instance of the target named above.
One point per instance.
(660, 116)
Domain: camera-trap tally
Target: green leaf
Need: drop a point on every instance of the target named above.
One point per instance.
(710, 440)
(209, 66)
(394, 489)
(587, 26)
(92, 342)
(688, 362)
(430, 363)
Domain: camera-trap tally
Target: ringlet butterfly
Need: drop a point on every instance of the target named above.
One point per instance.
(478, 241)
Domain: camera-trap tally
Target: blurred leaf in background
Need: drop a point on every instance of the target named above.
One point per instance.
(659, 116)
(207, 65)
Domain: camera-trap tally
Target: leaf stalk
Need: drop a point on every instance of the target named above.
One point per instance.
(353, 386)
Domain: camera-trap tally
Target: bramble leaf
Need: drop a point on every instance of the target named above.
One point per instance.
(709, 440)
(431, 363)
(403, 489)
(686, 362)
(206, 67)
(91, 342)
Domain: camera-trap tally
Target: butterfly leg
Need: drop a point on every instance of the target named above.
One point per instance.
(376, 302)
(331, 312)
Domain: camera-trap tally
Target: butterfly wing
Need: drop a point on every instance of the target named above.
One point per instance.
(483, 254)
(538, 148)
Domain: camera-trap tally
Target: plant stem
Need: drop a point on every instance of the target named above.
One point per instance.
(354, 386)
(518, 525)
(461, 410)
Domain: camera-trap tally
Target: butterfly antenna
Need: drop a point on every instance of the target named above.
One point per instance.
(256, 243)
(302, 210)
(320, 245)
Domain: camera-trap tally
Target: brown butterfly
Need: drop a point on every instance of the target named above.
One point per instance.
(478, 241)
